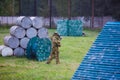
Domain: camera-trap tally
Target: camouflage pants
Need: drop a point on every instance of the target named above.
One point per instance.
(54, 54)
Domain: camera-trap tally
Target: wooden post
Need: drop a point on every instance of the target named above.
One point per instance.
(69, 9)
(35, 8)
(92, 14)
(19, 7)
(50, 12)
(13, 11)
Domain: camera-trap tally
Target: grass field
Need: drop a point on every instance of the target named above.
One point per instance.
(72, 51)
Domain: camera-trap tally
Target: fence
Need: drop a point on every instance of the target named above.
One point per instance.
(98, 21)
(8, 20)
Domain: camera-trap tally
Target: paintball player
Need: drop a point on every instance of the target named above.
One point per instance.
(55, 48)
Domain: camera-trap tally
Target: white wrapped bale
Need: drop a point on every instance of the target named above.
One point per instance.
(43, 33)
(24, 22)
(23, 42)
(11, 41)
(7, 51)
(19, 51)
(1, 47)
(17, 31)
(37, 22)
(31, 32)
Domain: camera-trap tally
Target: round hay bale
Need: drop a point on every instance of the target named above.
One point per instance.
(17, 31)
(7, 51)
(19, 51)
(37, 22)
(31, 32)
(1, 47)
(43, 33)
(11, 41)
(23, 42)
(24, 22)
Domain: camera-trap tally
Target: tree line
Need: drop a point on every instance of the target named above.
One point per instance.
(60, 8)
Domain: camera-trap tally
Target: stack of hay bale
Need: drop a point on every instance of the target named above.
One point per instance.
(69, 27)
(20, 34)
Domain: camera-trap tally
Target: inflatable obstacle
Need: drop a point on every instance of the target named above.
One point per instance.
(102, 61)
(69, 27)
(38, 48)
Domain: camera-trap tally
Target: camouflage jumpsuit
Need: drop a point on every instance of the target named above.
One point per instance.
(55, 48)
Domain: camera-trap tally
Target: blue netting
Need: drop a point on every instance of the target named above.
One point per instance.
(69, 27)
(38, 48)
(102, 61)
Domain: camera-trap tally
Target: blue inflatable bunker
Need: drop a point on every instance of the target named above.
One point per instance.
(102, 61)
(69, 27)
(38, 48)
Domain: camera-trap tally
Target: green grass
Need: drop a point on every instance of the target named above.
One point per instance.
(72, 51)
